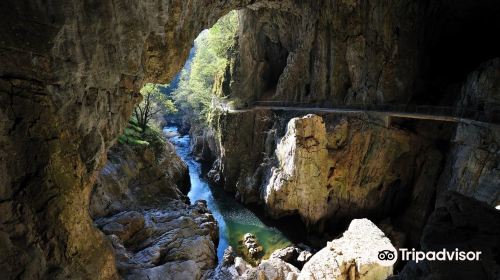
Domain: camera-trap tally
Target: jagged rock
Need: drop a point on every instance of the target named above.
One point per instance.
(462, 223)
(353, 256)
(299, 183)
(178, 241)
(241, 265)
(292, 255)
(253, 250)
(228, 257)
(174, 239)
(124, 225)
(214, 175)
(203, 143)
(137, 176)
(272, 269)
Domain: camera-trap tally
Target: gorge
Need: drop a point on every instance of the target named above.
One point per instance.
(328, 120)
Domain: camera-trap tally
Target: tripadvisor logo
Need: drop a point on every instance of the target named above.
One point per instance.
(389, 256)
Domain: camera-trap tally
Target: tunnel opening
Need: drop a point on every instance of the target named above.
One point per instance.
(459, 36)
(276, 57)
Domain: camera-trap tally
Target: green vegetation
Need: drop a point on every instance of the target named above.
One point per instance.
(135, 136)
(154, 104)
(213, 50)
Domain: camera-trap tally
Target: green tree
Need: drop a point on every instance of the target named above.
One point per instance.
(153, 103)
(194, 93)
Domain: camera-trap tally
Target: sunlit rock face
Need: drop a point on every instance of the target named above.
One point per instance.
(353, 256)
(331, 168)
(299, 182)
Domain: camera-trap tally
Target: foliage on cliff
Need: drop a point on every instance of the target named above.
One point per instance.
(154, 104)
(135, 136)
(213, 47)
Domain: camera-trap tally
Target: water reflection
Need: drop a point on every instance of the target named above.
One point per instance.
(234, 219)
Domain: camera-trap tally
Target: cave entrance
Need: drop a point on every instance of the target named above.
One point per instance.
(188, 108)
(275, 56)
(459, 36)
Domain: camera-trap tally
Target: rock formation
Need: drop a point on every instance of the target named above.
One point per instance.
(299, 182)
(252, 248)
(135, 176)
(137, 204)
(472, 167)
(70, 73)
(329, 167)
(353, 256)
(293, 255)
(178, 241)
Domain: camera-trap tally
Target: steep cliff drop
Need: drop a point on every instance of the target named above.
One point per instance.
(342, 110)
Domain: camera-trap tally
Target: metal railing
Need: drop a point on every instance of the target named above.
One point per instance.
(491, 114)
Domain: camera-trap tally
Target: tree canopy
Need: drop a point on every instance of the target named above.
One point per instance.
(153, 104)
(194, 93)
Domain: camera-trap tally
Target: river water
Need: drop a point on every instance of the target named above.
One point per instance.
(234, 218)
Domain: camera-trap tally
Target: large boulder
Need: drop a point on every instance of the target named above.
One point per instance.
(353, 256)
(299, 183)
(335, 167)
(179, 241)
(272, 269)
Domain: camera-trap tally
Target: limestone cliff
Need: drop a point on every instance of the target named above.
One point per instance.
(136, 176)
(70, 72)
(137, 202)
(329, 167)
(299, 182)
(69, 77)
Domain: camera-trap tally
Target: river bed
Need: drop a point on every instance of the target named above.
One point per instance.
(233, 217)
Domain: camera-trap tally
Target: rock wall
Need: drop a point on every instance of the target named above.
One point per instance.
(334, 167)
(328, 52)
(472, 167)
(362, 52)
(70, 73)
(136, 176)
(69, 77)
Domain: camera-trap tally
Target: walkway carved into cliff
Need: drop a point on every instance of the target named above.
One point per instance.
(420, 112)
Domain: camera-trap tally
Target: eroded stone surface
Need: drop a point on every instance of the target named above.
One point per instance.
(299, 182)
(353, 256)
(178, 241)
